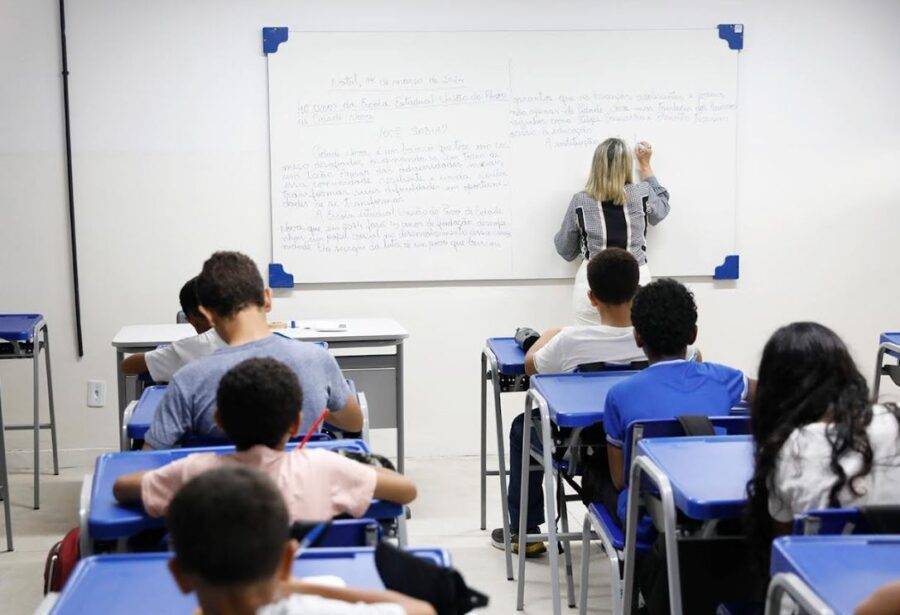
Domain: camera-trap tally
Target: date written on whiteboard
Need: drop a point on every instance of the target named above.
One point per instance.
(355, 81)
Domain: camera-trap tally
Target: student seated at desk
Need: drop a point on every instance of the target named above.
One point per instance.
(232, 295)
(665, 324)
(258, 408)
(613, 278)
(229, 532)
(819, 440)
(163, 362)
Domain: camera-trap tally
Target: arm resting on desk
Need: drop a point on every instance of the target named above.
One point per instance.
(127, 488)
(134, 364)
(885, 601)
(348, 418)
(412, 606)
(393, 487)
(530, 367)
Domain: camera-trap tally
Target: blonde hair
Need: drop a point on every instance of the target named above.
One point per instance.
(611, 170)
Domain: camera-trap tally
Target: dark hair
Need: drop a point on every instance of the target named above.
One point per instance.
(190, 305)
(806, 374)
(228, 283)
(229, 526)
(613, 276)
(257, 401)
(665, 316)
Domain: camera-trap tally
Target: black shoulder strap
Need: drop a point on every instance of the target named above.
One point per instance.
(696, 425)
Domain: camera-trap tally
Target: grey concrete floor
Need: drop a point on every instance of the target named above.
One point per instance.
(445, 514)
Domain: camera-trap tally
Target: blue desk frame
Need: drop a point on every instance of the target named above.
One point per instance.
(101, 517)
(566, 400)
(115, 579)
(888, 344)
(831, 575)
(697, 496)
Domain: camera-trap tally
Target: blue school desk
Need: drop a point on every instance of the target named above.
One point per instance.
(703, 477)
(831, 575)
(139, 415)
(103, 518)
(141, 583)
(503, 364)
(888, 344)
(23, 337)
(565, 400)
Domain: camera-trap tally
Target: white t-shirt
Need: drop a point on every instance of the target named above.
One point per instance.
(305, 604)
(803, 477)
(163, 362)
(582, 344)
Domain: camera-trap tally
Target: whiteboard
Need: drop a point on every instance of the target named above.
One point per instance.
(453, 155)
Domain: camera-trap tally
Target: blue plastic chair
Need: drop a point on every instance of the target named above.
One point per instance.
(840, 521)
(607, 526)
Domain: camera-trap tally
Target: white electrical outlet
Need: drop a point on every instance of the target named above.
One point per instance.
(96, 393)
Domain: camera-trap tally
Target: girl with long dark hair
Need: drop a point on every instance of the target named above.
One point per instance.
(819, 442)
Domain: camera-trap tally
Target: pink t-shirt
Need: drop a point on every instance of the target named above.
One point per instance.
(317, 484)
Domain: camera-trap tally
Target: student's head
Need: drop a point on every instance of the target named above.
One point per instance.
(190, 305)
(228, 285)
(229, 531)
(258, 403)
(806, 375)
(611, 169)
(664, 316)
(613, 277)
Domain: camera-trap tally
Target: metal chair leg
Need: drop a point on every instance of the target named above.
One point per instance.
(4, 483)
(37, 423)
(53, 441)
(585, 563)
(501, 474)
(483, 441)
(567, 545)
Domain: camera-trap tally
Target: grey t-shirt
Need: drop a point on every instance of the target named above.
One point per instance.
(188, 407)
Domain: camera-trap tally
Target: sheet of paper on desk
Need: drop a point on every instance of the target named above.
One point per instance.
(325, 326)
(328, 580)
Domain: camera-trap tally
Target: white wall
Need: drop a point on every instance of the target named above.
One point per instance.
(170, 142)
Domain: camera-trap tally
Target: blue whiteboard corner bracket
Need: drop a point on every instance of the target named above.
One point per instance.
(730, 269)
(272, 37)
(278, 277)
(733, 34)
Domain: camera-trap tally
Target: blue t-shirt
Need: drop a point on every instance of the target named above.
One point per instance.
(188, 407)
(666, 390)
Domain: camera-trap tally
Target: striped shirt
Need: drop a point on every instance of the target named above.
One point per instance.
(590, 227)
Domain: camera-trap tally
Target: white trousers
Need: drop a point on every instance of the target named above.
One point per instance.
(585, 313)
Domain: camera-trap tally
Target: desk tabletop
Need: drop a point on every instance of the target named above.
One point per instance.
(577, 400)
(109, 520)
(141, 583)
(357, 330)
(18, 327)
(709, 474)
(842, 570)
(893, 339)
(145, 410)
(510, 358)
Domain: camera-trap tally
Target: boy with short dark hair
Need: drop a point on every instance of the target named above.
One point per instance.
(258, 404)
(163, 362)
(234, 298)
(665, 324)
(229, 532)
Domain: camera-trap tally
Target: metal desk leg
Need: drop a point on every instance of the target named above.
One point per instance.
(639, 467)
(4, 482)
(120, 384)
(399, 395)
(523, 502)
(586, 565)
(35, 358)
(550, 499)
(564, 520)
(876, 386)
(501, 474)
(801, 593)
(483, 441)
(53, 441)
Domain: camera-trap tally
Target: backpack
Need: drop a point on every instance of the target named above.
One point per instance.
(61, 561)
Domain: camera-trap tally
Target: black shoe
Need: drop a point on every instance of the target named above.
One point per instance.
(532, 549)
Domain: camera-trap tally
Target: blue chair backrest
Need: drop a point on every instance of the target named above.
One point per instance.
(351, 533)
(830, 522)
(671, 428)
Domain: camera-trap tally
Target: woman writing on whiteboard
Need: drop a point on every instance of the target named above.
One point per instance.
(611, 212)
